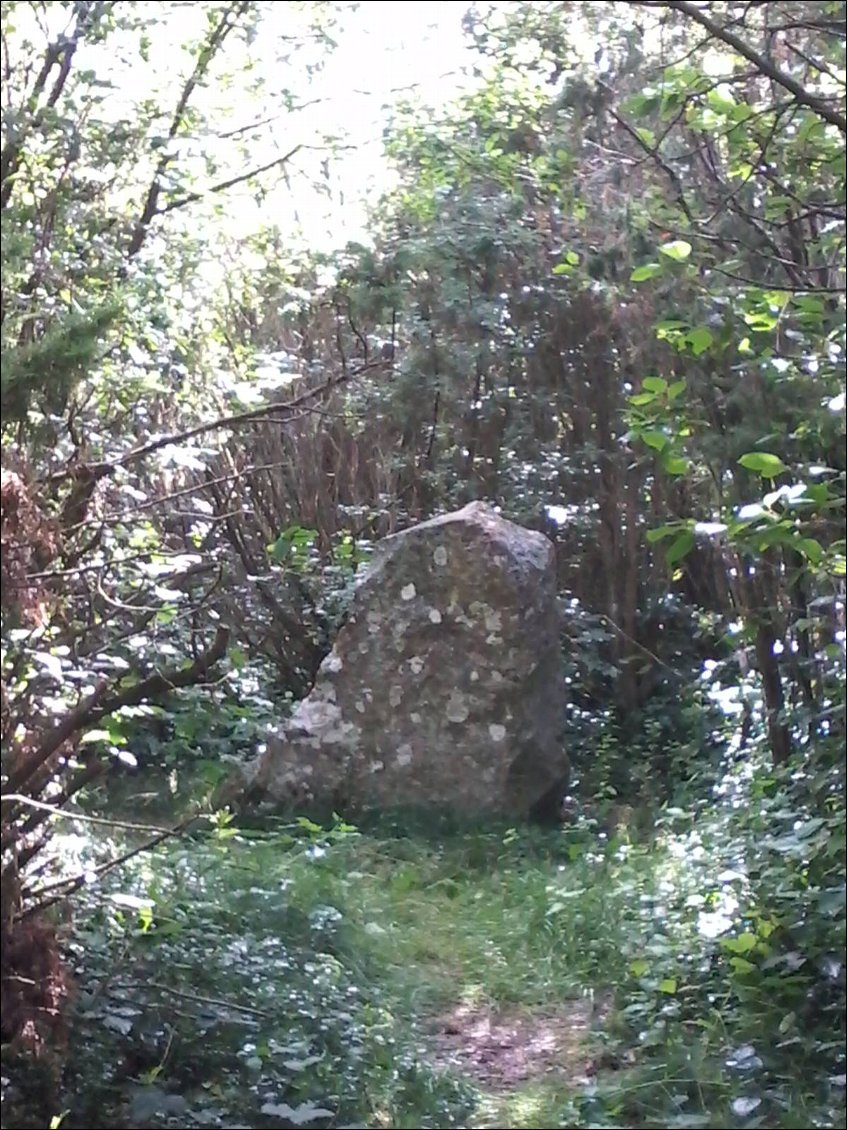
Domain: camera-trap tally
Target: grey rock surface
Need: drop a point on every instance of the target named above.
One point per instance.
(444, 684)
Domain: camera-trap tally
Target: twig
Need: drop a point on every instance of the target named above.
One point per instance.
(219, 1002)
(192, 197)
(107, 467)
(765, 66)
(640, 646)
(77, 881)
(20, 798)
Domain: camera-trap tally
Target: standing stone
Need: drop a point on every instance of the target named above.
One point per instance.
(443, 687)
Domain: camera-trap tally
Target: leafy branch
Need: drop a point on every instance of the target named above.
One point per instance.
(764, 65)
(100, 470)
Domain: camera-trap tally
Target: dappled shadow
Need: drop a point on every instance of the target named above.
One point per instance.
(502, 1049)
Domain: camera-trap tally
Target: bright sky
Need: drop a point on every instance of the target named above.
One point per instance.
(384, 53)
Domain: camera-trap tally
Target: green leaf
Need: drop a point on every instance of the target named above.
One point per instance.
(661, 532)
(721, 99)
(741, 965)
(763, 463)
(639, 967)
(643, 103)
(675, 389)
(300, 1115)
(700, 339)
(647, 271)
(811, 549)
(741, 944)
(743, 1107)
(96, 736)
(654, 439)
(677, 249)
(654, 384)
(674, 464)
(310, 826)
(670, 329)
(680, 547)
(668, 985)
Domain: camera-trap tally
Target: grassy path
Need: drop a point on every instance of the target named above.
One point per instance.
(413, 974)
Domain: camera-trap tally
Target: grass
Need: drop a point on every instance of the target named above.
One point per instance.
(463, 920)
(463, 926)
(415, 973)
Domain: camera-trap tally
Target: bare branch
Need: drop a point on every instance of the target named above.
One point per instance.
(228, 20)
(65, 815)
(97, 705)
(161, 684)
(65, 887)
(224, 185)
(764, 65)
(60, 52)
(653, 152)
(108, 467)
(74, 720)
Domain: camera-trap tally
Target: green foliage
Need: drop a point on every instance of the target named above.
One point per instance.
(242, 975)
(45, 372)
(605, 291)
(218, 1022)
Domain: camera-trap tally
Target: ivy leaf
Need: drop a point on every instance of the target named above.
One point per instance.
(670, 329)
(302, 1064)
(668, 985)
(149, 1102)
(742, 944)
(745, 1105)
(50, 663)
(677, 249)
(763, 463)
(639, 967)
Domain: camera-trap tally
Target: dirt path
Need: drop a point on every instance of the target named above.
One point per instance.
(501, 1050)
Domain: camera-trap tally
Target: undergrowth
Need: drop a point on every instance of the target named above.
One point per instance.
(300, 975)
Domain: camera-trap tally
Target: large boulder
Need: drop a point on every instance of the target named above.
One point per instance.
(443, 687)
